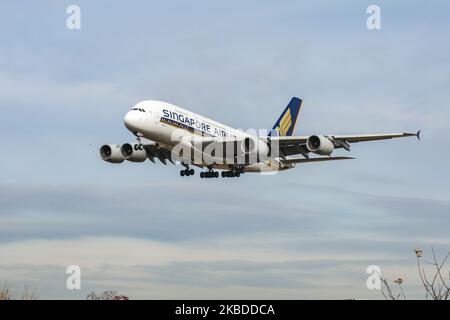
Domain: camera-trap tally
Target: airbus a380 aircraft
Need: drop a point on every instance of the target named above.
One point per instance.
(179, 135)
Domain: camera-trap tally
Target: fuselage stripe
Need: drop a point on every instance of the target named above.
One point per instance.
(185, 127)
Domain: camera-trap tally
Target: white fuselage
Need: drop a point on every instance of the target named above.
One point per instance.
(167, 124)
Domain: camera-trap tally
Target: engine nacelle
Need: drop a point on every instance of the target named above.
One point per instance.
(256, 149)
(320, 145)
(133, 152)
(111, 153)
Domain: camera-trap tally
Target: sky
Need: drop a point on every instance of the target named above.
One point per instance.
(141, 229)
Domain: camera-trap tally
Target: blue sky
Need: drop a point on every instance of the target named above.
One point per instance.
(143, 230)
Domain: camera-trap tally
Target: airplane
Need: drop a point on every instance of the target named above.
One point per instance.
(170, 128)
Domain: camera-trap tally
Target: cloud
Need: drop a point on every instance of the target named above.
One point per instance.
(149, 269)
(162, 253)
(143, 230)
(75, 211)
(65, 212)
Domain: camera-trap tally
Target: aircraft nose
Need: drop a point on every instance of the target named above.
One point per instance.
(131, 120)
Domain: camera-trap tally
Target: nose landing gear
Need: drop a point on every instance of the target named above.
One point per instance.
(139, 146)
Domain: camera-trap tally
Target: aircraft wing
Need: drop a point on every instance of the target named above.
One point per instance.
(288, 145)
(373, 137)
(289, 140)
(291, 145)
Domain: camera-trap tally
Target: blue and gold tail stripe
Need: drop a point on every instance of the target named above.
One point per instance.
(286, 123)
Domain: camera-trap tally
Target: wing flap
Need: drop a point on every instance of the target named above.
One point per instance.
(153, 151)
(293, 161)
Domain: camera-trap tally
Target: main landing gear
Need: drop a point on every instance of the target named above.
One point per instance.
(209, 174)
(236, 172)
(230, 174)
(187, 172)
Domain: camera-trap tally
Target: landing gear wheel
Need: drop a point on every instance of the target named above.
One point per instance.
(141, 147)
(191, 172)
(182, 173)
(187, 173)
(235, 172)
(211, 174)
(136, 147)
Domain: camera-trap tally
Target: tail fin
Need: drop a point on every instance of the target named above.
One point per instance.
(285, 124)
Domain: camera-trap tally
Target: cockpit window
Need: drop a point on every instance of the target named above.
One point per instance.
(138, 109)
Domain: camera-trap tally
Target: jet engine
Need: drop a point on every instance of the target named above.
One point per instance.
(320, 145)
(111, 153)
(133, 152)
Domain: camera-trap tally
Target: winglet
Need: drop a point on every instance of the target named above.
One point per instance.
(418, 135)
